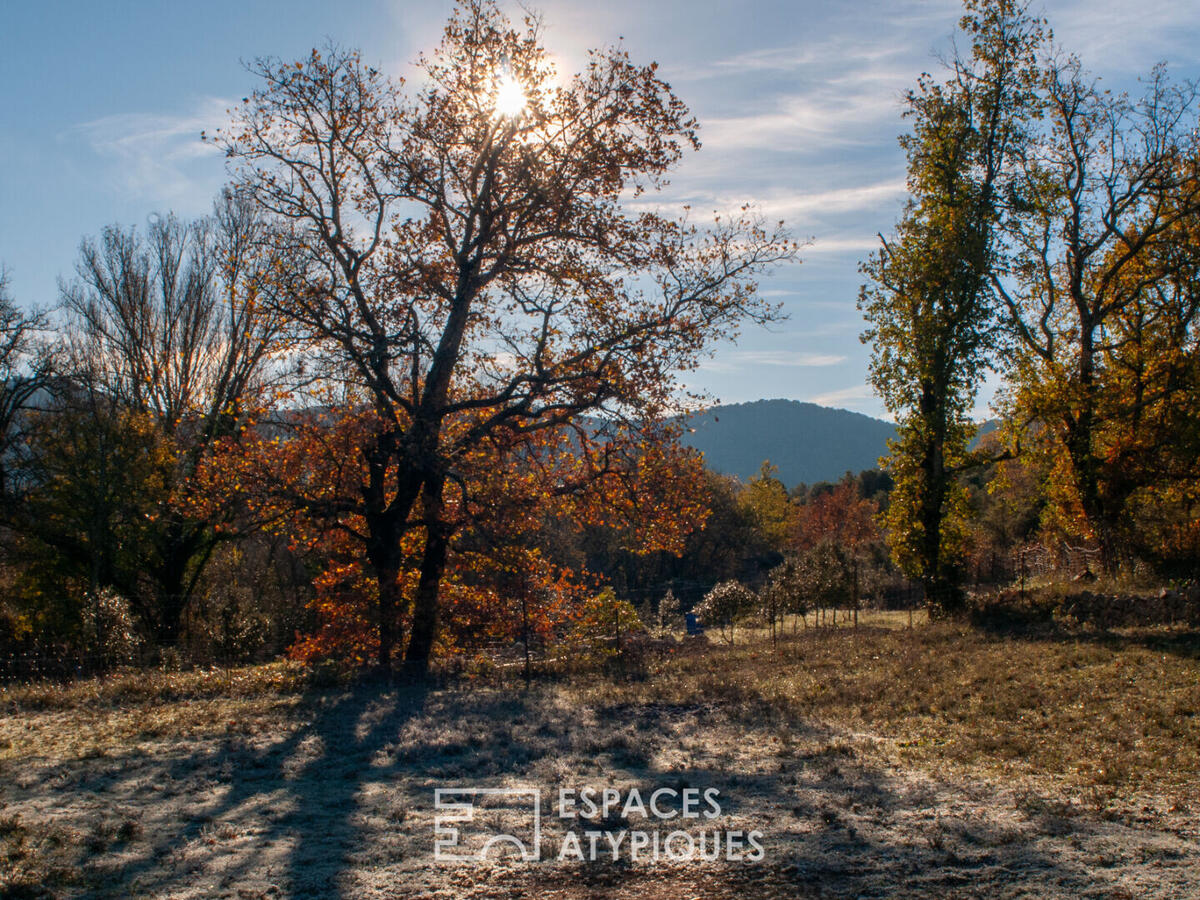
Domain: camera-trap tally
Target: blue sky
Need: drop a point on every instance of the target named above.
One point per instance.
(101, 106)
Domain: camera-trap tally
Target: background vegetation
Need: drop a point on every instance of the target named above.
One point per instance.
(410, 392)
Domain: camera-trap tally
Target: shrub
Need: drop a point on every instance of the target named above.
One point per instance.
(727, 604)
(109, 630)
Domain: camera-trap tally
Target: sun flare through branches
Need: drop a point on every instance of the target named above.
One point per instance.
(510, 100)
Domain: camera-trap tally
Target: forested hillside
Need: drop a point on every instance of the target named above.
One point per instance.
(806, 442)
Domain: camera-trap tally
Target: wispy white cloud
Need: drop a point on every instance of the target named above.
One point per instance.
(804, 210)
(855, 198)
(825, 329)
(799, 56)
(811, 122)
(160, 157)
(796, 206)
(830, 246)
(741, 360)
(788, 358)
(1117, 37)
(824, 303)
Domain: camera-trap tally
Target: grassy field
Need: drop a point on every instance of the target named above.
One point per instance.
(1115, 712)
(879, 761)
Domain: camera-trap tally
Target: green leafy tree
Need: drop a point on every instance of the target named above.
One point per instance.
(98, 476)
(605, 623)
(931, 313)
(766, 501)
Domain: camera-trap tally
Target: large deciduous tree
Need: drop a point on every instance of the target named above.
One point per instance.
(164, 353)
(465, 260)
(930, 310)
(1101, 299)
(304, 472)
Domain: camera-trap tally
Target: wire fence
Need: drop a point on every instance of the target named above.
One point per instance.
(66, 664)
(1020, 566)
(44, 665)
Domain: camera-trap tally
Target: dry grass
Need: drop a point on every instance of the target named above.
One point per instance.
(129, 711)
(1114, 711)
(37, 855)
(866, 755)
(156, 686)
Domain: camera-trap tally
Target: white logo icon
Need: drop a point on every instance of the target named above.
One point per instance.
(467, 826)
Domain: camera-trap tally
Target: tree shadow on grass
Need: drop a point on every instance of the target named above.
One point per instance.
(1179, 640)
(828, 821)
(300, 790)
(340, 807)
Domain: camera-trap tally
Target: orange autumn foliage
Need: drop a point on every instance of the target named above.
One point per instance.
(301, 471)
(840, 515)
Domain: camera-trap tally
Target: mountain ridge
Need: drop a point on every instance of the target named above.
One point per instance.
(806, 441)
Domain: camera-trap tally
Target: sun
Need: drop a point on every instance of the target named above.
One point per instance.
(510, 96)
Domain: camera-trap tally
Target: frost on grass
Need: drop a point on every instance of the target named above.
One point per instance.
(282, 792)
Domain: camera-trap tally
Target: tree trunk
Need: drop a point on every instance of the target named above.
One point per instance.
(943, 595)
(183, 547)
(386, 523)
(383, 552)
(1080, 434)
(171, 603)
(388, 581)
(425, 603)
(525, 633)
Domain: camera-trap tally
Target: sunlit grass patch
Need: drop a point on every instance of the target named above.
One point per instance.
(1117, 709)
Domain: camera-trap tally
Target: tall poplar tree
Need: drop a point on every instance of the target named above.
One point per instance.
(930, 308)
